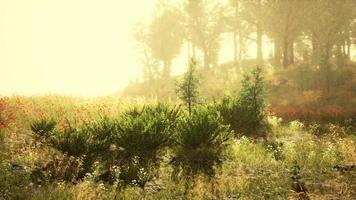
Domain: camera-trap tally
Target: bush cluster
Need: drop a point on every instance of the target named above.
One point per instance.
(245, 113)
(129, 148)
(134, 143)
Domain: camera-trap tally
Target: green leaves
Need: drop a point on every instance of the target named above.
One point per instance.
(133, 142)
(72, 140)
(245, 113)
(253, 91)
(43, 127)
(187, 89)
(201, 141)
(145, 131)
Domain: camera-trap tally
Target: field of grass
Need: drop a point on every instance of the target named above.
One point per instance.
(293, 160)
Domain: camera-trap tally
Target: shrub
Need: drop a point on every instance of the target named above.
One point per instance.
(72, 141)
(43, 127)
(143, 132)
(141, 135)
(245, 114)
(131, 142)
(201, 141)
(242, 119)
(102, 143)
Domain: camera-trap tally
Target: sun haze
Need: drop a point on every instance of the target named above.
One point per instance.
(71, 47)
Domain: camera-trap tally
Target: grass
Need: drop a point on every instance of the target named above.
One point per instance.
(251, 168)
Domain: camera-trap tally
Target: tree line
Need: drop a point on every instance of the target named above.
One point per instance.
(315, 32)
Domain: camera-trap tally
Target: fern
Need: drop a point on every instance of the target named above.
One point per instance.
(201, 141)
(43, 127)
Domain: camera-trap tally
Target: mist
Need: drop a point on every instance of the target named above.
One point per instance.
(177, 99)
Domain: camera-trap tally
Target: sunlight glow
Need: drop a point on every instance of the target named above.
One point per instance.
(77, 47)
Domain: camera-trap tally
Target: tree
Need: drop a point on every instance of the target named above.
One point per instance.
(253, 92)
(283, 22)
(253, 14)
(165, 38)
(246, 112)
(203, 28)
(150, 64)
(236, 26)
(187, 90)
(327, 20)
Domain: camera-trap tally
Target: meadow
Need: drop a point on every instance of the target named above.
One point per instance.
(202, 100)
(57, 147)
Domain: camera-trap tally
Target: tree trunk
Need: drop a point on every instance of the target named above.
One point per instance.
(206, 59)
(315, 51)
(166, 69)
(189, 51)
(235, 31)
(325, 65)
(148, 74)
(285, 54)
(277, 52)
(259, 45)
(291, 53)
(348, 41)
(235, 47)
(241, 47)
(194, 50)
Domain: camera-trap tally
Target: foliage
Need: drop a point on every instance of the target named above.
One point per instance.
(199, 145)
(165, 38)
(246, 114)
(43, 127)
(72, 140)
(141, 135)
(102, 140)
(252, 93)
(202, 140)
(203, 27)
(143, 132)
(187, 89)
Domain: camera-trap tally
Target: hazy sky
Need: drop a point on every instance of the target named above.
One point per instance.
(80, 47)
(76, 47)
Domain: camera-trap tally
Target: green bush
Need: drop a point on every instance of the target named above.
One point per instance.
(102, 144)
(141, 135)
(201, 141)
(72, 141)
(144, 132)
(246, 113)
(43, 127)
(131, 142)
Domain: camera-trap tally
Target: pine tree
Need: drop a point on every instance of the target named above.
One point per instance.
(187, 89)
(253, 92)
